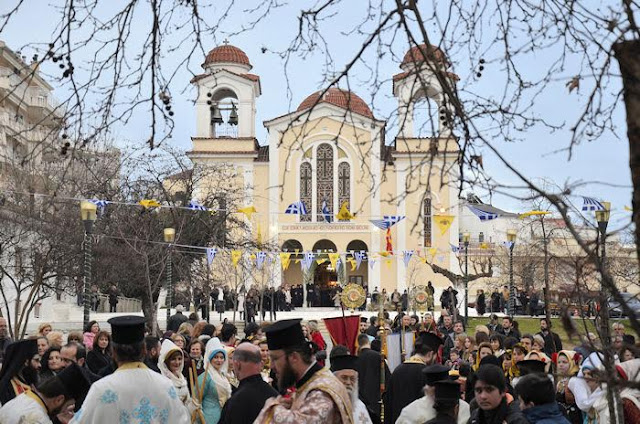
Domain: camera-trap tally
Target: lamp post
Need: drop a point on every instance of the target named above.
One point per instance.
(169, 237)
(603, 220)
(465, 239)
(602, 217)
(511, 238)
(88, 213)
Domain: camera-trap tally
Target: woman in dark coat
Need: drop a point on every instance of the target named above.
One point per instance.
(100, 356)
(51, 364)
(481, 303)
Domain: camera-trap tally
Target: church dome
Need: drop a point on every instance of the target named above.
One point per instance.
(422, 52)
(342, 98)
(227, 54)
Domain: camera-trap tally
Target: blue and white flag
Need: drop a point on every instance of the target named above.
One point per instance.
(359, 255)
(372, 263)
(387, 221)
(307, 260)
(195, 206)
(211, 254)
(101, 204)
(406, 257)
(260, 257)
(296, 208)
(483, 215)
(507, 244)
(454, 248)
(591, 204)
(326, 213)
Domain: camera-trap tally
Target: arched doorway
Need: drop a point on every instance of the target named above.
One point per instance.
(360, 275)
(325, 279)
(293, 276)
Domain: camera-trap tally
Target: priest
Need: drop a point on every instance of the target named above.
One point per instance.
(133, 393)
(407, 380)
(369, 366)
(422, 410)
(19, 370)
(345, 367)
(54, 397)
(313, 394)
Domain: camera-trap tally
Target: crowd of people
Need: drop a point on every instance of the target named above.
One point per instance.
(281, 372)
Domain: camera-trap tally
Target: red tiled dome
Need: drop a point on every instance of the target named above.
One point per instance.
(337, 97)
(418, 54)
(227, 54)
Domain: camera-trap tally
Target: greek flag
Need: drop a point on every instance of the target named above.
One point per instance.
(307, 260)
(260, 257)
(454, 248)
(507, 244)
(195, 206)
(296, 208)
(483, 215)
(326, 213)
(591, 204)
(406, 257)
(387, 221)
(101, 204)
(211, 253)
(359, 255)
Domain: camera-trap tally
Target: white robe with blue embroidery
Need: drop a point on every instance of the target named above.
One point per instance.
(132, 395)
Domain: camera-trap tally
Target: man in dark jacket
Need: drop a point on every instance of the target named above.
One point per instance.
(537, 400)
(369, 377)
(248, 400)
(176, 319)
(495, 405)
(152, 344)
(552, 342)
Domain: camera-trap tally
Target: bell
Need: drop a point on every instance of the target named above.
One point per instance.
(216, 118)
(233, 116)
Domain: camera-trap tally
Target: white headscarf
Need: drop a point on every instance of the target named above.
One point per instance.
(223, 387)
(178, 380)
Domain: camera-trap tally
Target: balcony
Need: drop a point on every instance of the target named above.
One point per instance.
(16, 89)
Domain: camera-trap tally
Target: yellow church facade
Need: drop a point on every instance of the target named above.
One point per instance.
(333, 152)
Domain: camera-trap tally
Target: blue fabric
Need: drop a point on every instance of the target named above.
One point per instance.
(210, 403)
(549, 413)
(213, 353)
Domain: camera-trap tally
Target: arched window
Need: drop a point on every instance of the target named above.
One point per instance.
(426, 217)
(344, 183)
(306, 190)
(324, 179)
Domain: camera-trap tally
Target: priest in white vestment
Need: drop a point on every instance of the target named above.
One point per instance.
(421, 410)
(55, 396)
(133, 393)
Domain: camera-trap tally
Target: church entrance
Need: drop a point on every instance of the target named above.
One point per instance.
(325, 278)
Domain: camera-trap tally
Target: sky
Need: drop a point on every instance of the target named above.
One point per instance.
(602, 164)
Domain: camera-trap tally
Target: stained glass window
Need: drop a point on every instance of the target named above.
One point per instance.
(306, 189)
(344, 182)
(324, 179)
(426, 217)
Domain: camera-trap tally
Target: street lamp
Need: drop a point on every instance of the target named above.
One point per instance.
(465, 239)
(511, 238)
(603, 220)
(169, 237)
(88, 214)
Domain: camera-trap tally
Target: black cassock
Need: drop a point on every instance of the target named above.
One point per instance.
(405, 386)
(245, 404)
(369, 381)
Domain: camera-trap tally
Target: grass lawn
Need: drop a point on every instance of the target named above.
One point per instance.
(532, 326)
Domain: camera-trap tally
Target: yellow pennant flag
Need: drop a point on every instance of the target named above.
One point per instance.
(248, 211)
(532, 213)
(320, 261)
(333, 258)
(344, 214)
(297, 261)
(235, 257)
(628, 209)
(149, 203)
(388, 262)
(259, 235)
(433, 251)
(384, 253)
(444, 222)
(484, 245)
(285, 260)
(353, 263)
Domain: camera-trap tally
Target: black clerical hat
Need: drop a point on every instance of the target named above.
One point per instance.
(127, 329)
(364, 319)
(447, 392)
(75, 383)
(435, 373)
(430, 340)
(285, 333)
(531, 366)
(344, 362)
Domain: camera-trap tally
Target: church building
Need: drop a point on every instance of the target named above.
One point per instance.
(332, 151)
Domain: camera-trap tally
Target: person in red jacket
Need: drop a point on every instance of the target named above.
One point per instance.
(316, 337)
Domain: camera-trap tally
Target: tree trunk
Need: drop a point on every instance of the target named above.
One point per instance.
(150, 311)
(628, 55)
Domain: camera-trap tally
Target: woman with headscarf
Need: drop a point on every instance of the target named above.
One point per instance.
(217, 389)
(589, 395)
(17, 376)
(51, 364)
(171, 363)
(567, 366)
(630, 371)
